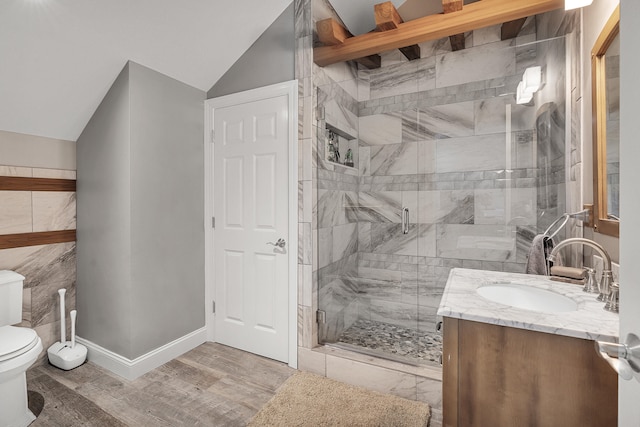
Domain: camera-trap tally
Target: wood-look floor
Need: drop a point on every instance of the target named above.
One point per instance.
(212, 385)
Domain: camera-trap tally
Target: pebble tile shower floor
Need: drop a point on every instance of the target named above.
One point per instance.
(392, 340)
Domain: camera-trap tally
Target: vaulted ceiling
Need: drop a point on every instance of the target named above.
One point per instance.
(58, 58)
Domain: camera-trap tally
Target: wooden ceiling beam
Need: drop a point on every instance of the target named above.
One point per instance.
(475, 15)
(370, 62)
(411, 52)
(511, 29)
(388, 18)
(331, 33)
(456, 40)
(449, 6)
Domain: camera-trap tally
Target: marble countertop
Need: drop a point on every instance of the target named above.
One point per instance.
(590, 321)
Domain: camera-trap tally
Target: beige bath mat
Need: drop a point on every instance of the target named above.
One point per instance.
(310, 400)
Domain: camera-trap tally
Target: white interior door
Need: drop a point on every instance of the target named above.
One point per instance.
(629, 391)
(252, 239)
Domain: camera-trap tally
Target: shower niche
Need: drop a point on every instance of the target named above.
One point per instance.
(340, 147)
(337, 130)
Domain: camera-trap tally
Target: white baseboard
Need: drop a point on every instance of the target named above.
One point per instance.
(132, 369)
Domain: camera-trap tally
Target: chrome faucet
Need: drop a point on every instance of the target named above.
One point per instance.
(607, 275)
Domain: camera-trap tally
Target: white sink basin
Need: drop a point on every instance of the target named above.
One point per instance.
(527, 297)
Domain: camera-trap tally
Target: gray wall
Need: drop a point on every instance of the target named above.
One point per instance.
(18, 149)
(140, 214)
(167, 217)
(103, 223)
(269, 60)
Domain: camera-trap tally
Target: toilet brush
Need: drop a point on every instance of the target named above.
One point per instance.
(63, 317)
(73, 327)
(65, 354)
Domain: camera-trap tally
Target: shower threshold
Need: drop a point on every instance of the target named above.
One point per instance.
(392, 342)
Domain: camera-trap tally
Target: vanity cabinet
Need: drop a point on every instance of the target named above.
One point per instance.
(503, 376)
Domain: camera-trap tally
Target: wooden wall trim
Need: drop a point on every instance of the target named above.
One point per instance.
(9, 241)
(15, 183)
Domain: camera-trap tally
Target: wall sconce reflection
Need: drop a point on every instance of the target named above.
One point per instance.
(530, 84)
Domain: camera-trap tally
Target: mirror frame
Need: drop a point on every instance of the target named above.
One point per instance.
(601, 222)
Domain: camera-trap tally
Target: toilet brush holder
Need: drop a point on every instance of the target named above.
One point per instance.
(66, 357)
(65, 354)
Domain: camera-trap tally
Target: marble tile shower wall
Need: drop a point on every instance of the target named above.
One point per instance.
(46, 268)
(307, 189)
(449, 115)
(336, 223)
(434, 138)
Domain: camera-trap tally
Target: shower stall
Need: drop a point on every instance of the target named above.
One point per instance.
(428, 165)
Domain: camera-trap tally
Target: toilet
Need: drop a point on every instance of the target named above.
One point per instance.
(19, 348)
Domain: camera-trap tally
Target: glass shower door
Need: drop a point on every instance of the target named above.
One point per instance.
(369, 240)
(335, 224)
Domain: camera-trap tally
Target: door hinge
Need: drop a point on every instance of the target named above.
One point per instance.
(213, 307)
(321, 316)
(213, 136)
(213, 222)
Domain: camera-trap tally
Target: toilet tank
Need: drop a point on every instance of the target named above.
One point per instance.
(10, 297)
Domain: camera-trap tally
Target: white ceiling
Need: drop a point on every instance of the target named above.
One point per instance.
(58, 58)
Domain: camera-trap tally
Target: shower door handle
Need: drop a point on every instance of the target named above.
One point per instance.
(405, 220)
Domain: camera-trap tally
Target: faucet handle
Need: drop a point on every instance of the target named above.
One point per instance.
(591, 284)
(605, 286)
(613, 301)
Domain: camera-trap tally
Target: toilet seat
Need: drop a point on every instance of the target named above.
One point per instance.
(15, 341)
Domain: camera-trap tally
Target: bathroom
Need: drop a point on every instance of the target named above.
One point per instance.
(377, 289)
(461, 204)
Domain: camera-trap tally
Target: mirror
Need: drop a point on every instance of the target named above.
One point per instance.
(612, 94)
(605, 74)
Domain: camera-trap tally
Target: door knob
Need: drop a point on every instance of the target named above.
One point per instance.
(623, 358)
(280, 243)
(405, 220)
